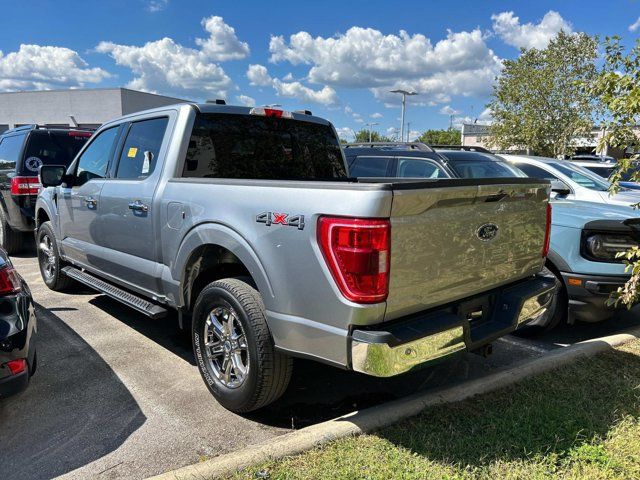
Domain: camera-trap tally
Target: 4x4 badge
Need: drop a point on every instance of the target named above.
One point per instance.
(274, 218)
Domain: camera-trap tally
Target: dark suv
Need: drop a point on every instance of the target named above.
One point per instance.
(23, 151)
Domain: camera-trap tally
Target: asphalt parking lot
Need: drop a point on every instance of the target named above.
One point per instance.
(117, 395)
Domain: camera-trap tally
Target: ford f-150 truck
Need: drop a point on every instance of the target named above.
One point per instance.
(245, 221)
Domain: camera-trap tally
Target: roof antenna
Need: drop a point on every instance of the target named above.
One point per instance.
(73, 121)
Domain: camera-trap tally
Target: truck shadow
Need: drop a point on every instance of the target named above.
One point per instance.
(557, 413)
(75, 410)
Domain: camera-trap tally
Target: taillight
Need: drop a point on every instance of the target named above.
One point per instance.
(17, 366)
(270, 112)
(547, 232)
(357, 253)
(9, 281)
(25, 186)
(74, 133)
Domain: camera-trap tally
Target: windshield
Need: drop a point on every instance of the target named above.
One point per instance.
(581, 176)
(256, 147)
(51, 148)
(480, 165)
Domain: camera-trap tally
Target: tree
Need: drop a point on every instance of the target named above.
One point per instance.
(617, 89)
(539, 103)
(363, 136)
(441, 137)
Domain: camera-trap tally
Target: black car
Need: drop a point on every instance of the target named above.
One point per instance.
(17, 330)
(476, 162)
(395, 159)
(23, 151)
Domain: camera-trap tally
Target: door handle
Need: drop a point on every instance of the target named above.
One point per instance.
(90, 202)
(138, 206)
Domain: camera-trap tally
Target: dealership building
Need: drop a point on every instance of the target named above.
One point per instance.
(75, 107)
(477, 135)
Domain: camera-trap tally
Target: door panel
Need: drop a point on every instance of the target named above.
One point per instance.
(79, 206)
(126, 219)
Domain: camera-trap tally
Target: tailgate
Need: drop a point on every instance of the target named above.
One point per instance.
(452, 239)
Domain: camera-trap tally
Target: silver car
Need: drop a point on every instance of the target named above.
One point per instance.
(571, 181)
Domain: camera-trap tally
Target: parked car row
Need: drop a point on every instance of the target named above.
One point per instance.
(273, 242)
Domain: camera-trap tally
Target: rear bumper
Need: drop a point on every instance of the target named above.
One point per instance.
(20, 212)
(588, 301)
(14, 384)
(412, 342)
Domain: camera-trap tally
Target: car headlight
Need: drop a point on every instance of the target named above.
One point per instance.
(604, 247)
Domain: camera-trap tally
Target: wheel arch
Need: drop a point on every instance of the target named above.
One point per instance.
(210, 252)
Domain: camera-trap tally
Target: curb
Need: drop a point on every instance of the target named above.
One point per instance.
(386, 414)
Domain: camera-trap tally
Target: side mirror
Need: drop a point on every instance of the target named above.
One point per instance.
(559, 187)
(52, 175)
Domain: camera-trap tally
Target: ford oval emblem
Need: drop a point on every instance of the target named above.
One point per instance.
(487, 232)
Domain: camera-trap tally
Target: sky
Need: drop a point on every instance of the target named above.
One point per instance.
(339, 59)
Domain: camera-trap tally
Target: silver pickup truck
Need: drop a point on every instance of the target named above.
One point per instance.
(244, 220)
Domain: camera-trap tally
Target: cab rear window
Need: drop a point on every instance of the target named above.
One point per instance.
(254, 147)
(51, 148)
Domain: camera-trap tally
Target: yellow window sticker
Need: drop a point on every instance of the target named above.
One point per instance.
(132, 152)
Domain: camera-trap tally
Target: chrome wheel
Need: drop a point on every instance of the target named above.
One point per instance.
(47, 257)
(226, 347)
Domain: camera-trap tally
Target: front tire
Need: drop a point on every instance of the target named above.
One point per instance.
(234, 349)
(49, 260)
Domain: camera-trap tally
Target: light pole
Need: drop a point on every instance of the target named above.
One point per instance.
(404, 101)
(370, 124)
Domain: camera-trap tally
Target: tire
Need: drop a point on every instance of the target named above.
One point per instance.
(10, 240)
(49, 260)
(558, 311)
(246, 375)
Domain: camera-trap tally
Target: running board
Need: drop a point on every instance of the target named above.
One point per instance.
(151, 310)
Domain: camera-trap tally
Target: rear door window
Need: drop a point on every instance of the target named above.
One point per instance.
(10, 151)
(419, 168)
(47, 147)
(139, 155)
(256, 147)
(370, 167)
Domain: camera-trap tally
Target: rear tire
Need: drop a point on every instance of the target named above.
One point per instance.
(234, 349)
(10, 240)
(49, 260)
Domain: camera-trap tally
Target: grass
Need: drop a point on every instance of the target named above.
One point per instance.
(579, 421)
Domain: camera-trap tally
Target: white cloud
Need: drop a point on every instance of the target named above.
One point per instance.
(246, 100)
(157, 5)
(448, 110)
(346, 133)
(634, 26)
(46, 67)
(414, 135)
(366, 58)
(165, 66)
(376, 115)
(485, 118)
(222, 44)
(258, 75)
(508, 27)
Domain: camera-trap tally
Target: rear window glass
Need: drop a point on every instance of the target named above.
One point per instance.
(604, 172)
(369, 167)
(480, 165)
(51, 148)
(10, 150)
(254, 147)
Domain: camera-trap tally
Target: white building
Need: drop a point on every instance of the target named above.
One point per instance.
(74, 107)
(476, 135)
